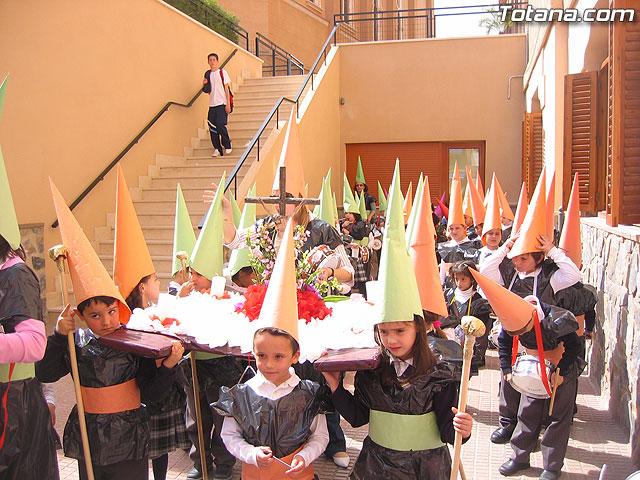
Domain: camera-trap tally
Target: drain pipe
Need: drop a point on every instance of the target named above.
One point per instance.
(509, 85)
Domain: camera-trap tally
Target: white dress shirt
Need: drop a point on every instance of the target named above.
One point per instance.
(400, 365)
(231, 432)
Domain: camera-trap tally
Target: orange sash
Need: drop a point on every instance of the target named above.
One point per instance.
(112, 399)
(275, 471)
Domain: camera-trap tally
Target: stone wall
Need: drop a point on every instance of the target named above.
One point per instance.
(611, 264)
(33, 243)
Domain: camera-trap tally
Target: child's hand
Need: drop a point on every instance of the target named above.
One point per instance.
(462, 423)
(546, 244)
(297, 466)
(66, 323)
(185, 289)
(333, 380)
(177, 350)
(264, 457)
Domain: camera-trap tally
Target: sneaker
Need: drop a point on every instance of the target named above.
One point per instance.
(227, 151)
(341, 459)
(223, 472)
(215, 153)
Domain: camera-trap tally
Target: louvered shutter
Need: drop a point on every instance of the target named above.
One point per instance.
(580, 127)
(623, 148)
(532, 149)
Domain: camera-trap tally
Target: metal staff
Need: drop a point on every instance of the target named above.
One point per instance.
(473, 328)
(59, 254)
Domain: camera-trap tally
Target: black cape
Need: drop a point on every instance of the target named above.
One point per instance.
(29, 452)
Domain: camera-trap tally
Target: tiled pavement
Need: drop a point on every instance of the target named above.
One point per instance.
(595, 438)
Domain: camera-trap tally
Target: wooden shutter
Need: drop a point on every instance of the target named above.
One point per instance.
(580, 127)
(623, 147)
(532, 150)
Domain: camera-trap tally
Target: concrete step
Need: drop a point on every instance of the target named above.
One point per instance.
(157, 219)
(281, 80)
(169, 205)
(169, 194)
(156, 247)
(162, 263)
(251, 96)
(157, 232)
(273, 88)
(187, 182)
(209, 171)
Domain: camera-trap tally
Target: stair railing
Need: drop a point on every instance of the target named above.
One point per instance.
(255, 142)
(276, 54)
(137, 138)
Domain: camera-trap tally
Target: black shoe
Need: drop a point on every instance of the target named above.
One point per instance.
(510, 467)
(550, 474)
(501, 435)
(223, 472)
(196, 472)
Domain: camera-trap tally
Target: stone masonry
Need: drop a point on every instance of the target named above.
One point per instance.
(33, 243)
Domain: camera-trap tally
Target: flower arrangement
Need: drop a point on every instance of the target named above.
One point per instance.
(262, 257)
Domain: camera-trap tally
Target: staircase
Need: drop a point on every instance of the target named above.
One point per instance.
(154, 197)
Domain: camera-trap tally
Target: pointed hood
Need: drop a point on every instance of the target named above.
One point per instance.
(325, 210)
(347, 196)
(477, 206)
(382, 198)
(505, 208)
(521, 210)
(131, 259)
(206, 258)
(513, 311)
(492, 217)
(235, 209)
(551, 195)
(570, 240)
(280, 306)
(88, 275)
(8, 220)
(441, 210)
(466, 202)
(335, 207)
(456, 214)
(479, 188)
(423, 255)
(400, 299)
(240, 257)
(408, 203)
(534, 224)
(184, 238)
(362, 208)
(456, 174)
(291, 157)
(414, 210)
(360, 173)
(3, 91)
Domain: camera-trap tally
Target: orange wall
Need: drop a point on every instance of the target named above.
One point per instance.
(85, 78)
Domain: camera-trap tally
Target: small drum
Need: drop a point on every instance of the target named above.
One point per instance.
(323, 257)
(526, 377)
(364, 254)
(376, 244)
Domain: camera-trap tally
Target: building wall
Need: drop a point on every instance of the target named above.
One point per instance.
(79, 91)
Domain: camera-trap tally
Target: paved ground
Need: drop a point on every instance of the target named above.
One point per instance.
(595, 439)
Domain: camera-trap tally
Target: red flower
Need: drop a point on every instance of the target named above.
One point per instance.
(254, 298)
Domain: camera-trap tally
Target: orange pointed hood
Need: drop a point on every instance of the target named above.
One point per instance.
(291, 157)
(456, 215)
(423, 256)
(492, 217)
(513, 311)
(131, 259)
(280, 306)
(505, 208)
(535, 223)
(551, 195)
(479, 188)
(88, 275)
(570, 240)
(521, 211)
(408, 203)
(477, 205)
(466, 202)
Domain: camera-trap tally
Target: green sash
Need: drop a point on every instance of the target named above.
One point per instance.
(404, 432)
(21, 371)
(205, 355)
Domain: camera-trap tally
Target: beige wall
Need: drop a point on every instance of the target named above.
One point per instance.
(83, 82)
(437, 90)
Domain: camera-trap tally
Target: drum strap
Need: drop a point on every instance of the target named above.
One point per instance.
(514, 353)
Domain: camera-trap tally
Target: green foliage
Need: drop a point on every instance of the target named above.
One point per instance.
(210, 14)
(495, 23)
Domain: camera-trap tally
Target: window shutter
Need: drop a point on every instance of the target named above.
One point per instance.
(623, 147)
(580, 128)
(532, 149)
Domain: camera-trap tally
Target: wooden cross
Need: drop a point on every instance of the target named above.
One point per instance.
(282, 200)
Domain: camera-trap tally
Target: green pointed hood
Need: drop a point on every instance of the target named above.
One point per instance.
(362, 208)
(360, 172)
(235, 209)
(382, 198)
(240, 258)
(325, 209)
(411, 222)
(3, 90)
(400, 298)
(184, 238)
(347, 195)
(8, 219)
(335, 206)
(206, 258)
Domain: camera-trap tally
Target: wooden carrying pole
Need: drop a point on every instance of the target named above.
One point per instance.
(59, 254)
(473, 328)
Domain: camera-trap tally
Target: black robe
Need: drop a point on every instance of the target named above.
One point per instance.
(29, 451)
(524, 287)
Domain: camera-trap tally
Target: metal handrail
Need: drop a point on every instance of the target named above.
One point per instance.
(277, 51)
(137, 138)
(274, 111)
